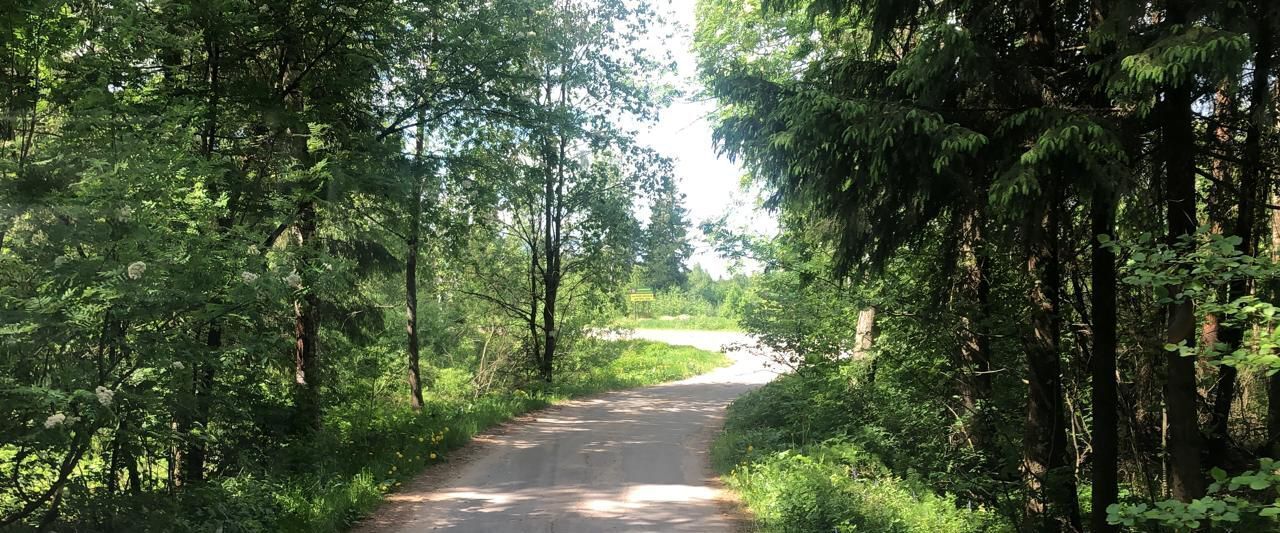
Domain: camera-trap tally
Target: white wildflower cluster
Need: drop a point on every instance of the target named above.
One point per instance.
(59, 419)
(252, 249)
(124, 213)
(293, 280)
(136, 269)
(60, 260)
(105, 395)
(177, 365)
(248, 277)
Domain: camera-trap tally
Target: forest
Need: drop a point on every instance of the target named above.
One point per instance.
(264, 262)
(1027, 261)
(251, 252)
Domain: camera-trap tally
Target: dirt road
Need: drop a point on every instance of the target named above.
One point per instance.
(624, 461)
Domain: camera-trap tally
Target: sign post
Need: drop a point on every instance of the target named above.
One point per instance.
(638, 296)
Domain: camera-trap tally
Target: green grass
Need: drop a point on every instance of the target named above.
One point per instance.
(386, 448)
(794, 483)
(699, 323)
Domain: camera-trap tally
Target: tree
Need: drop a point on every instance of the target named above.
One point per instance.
(567, 204)
(665, 248)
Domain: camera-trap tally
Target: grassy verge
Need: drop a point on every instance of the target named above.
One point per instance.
(382, 449)
(700, 323)
(797, 476)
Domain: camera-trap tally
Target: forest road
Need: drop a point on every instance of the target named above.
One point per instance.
(636, 460)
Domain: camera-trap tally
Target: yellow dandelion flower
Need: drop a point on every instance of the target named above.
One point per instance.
(433, 455)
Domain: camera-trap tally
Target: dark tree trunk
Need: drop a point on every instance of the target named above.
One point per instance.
(1231, 334)
(1183, 441)
(1273, 382)
(1052, 503)
(306, 332)
(306, 305)
(1105, 443)
(552, 221)
(196, 453)
(411, 300)
(411, 272)
(974, 292)
(551, 275)
(535, 340)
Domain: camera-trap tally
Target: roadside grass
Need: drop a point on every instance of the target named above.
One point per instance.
(697, 323)
(378, 450)
(796, 476)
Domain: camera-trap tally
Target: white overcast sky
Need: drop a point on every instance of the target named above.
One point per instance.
(711, 184)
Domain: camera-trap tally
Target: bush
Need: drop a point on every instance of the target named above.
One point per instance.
(791, 451)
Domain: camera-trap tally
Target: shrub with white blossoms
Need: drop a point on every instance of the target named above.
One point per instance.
(54, 420)
(248, 277)
(293, 280)
(177, 365)
(136, 269)
(59, 419)
(104, 395)
(124, 213)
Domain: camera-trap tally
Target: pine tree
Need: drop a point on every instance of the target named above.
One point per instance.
(665, 248)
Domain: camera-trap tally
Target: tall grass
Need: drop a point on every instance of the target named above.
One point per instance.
(797, 475)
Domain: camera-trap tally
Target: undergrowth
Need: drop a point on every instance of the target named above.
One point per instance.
(800, 465)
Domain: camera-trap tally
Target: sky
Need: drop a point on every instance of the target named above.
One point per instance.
(711, 184)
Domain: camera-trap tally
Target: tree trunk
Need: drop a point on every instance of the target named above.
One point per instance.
(411, 300)
(1220, 445)
(865, 334)
(1105, 443)
(1052, 503)
(411, 272)
(306, 332)
(1183, 438)
(1273, 382)
(551, 276)
(553, 218)
(973, 291)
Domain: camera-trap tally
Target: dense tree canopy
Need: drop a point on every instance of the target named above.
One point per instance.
(1005, 157)
(223, 225)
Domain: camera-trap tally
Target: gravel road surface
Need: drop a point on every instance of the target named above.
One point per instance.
(624, 461)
